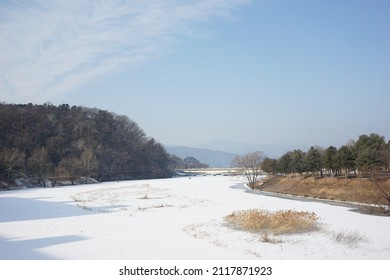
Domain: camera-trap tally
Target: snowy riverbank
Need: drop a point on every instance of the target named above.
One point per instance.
(177, 218)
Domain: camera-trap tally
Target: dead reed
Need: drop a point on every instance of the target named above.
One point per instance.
(350, 239)
(278, 222)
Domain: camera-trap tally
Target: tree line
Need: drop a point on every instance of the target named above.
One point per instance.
(368, 155)
(69, 142)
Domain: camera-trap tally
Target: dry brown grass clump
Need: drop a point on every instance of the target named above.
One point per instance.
(278, 222)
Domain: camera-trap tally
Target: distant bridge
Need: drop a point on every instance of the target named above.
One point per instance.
(209, 171)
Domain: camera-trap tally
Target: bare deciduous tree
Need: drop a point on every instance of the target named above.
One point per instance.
(250, 165)
(89, 162)
(383, 197)
(71, 168)
(39, 164)
(12, 160)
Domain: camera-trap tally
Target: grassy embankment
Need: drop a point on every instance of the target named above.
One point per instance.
(359, 190)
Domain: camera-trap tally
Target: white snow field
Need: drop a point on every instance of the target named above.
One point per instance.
(178, 218)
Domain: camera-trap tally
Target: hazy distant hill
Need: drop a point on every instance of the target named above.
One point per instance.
(274, 150)
(211, 157)
(231, 147)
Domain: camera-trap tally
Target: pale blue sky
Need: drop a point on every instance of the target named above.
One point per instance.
(302, 72)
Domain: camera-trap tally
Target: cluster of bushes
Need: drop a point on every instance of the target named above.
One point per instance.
(64, 142)
(366, 155)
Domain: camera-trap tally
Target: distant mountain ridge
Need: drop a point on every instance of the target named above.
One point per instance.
(231, 147)
(273, 150)
(211, 157)
(220, 153)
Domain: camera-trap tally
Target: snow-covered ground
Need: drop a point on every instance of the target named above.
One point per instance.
(178, 218)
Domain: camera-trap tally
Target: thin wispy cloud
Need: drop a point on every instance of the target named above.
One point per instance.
(48, 48)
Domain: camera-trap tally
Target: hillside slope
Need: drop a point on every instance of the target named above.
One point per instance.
(68, 142)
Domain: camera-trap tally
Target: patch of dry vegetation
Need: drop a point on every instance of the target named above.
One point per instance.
(350, 239)
(278, 222)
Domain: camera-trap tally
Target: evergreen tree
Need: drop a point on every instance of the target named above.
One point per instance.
(330, 160)
(297, 163)
(368, 152)
(284, 163)
(313, 161)
(346, 158)
(269, 165)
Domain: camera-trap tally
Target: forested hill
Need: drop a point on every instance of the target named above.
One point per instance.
(64, 142)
